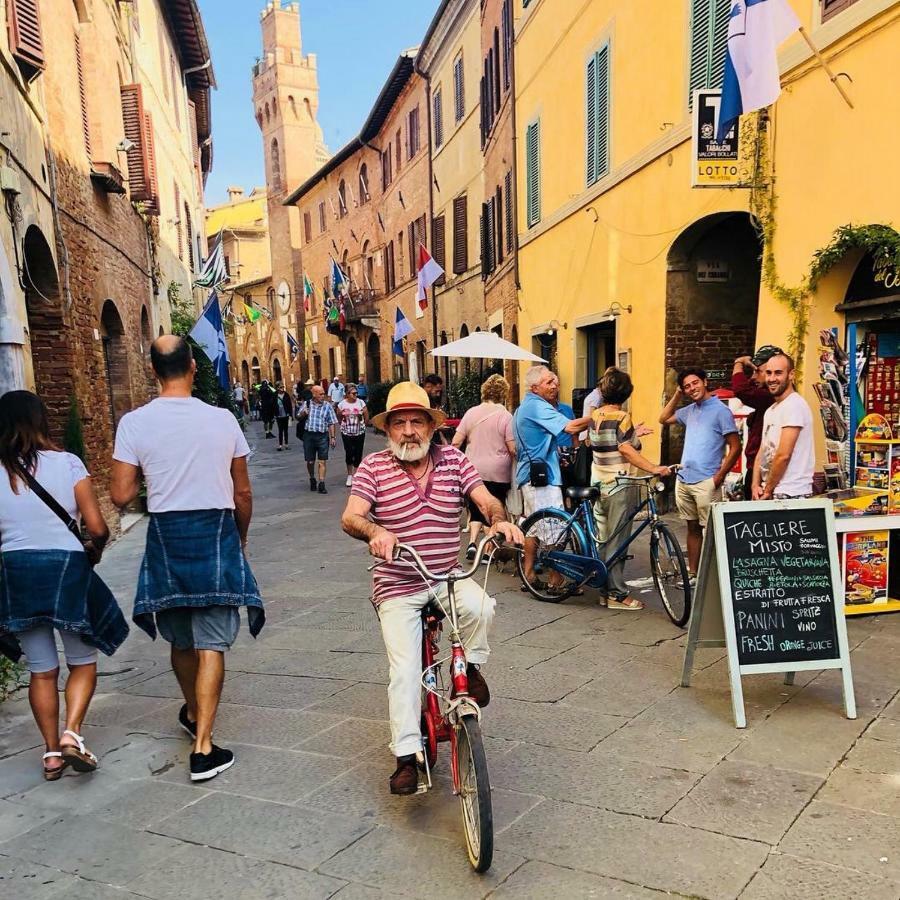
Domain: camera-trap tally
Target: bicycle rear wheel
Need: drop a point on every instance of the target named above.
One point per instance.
(670, 574)
(548, 529)
(474, 793)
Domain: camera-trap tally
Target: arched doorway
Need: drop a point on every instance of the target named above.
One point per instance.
(255, 370)
(464, 333)
(115, 361)
(245, 375)
(352, 360)
(46, 349)
(373, 359)
(276, 369)
(712, 302)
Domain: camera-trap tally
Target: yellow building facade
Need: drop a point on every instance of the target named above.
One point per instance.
(621, 260)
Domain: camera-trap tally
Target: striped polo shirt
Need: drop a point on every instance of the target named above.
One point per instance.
(426, 518)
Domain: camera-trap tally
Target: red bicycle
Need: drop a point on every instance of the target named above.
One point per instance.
(449, 714)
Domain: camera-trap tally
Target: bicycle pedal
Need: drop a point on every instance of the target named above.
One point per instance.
(422, 787)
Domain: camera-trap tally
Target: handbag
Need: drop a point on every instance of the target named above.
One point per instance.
(538, 473)
(93, 551)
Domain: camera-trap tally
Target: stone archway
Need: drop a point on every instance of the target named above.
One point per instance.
(352, 362)
(373, 359)
(115, 361)
(276, 370)
(50, 353)
(245, 375)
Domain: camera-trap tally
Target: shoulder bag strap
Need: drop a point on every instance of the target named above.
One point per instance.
(50, 501)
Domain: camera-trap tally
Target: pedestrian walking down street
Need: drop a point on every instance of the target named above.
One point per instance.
(786, 459)
(337, 390)
(254, 403)
(267, 406)
(537, 426)
(194, 577)
(318, 437)
(354, 416)
(240, 399)
(412, 493)
(284, 409)
(47, 583)
(748, 382)
(362, 389)
(711, 448)
(612, 437)
(487, 432)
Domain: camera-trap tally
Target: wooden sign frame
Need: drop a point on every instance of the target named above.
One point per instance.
(712, 617)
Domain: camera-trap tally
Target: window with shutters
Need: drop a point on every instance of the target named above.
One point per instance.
(389, 280)
(417, 237)
(597, 115)
(342, 199)
(459, 89)
(387, 175)
(275, 159)
(498, 223)
(82, 96)
(322, 225)
(439, 245)
(508, 211)
(363, 184)
(195, 141)
(179, 231)
(150, 143)
(189, 236)
(437, 117)
(486, 228)
(460, 236)
(23, 21)
(412, 127)
(176, 94)
(398, 147)
(411, 246)
(831, 8)
(709, 38)
(496, 71)
(533, 173)
(307, 227)
(506, 25)
(133, 121)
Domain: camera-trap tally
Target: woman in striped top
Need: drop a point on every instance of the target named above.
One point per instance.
(612, 438)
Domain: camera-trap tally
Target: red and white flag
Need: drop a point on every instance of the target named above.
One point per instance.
(429, 272)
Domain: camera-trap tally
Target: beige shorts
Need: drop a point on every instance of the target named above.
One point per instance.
(693, 500)
(535, 498)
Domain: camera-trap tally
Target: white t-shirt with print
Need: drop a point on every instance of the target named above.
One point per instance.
(26, 522)
(184, 447)
(797, 480)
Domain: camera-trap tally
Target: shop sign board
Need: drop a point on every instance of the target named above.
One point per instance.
(714, 164)
(769, 590)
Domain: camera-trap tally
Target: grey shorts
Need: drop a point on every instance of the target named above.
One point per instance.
(39, 647)
(200, 627)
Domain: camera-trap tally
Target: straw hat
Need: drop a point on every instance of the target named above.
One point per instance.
(309, 382)
(407, 395)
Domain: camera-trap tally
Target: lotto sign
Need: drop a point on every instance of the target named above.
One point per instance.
(714, 163)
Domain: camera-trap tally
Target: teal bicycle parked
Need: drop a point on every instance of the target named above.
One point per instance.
(569, 554)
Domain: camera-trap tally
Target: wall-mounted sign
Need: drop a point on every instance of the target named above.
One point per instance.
(712, 271)
(713, 163)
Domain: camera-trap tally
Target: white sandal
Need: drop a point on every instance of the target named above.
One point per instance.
(79, 758)
(53, 774)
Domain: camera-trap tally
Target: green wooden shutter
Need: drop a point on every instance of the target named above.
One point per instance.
(709, 41)
(591, 118)
(597, 115)
(719, 42)
(533, 173)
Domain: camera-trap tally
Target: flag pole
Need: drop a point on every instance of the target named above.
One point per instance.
(824, 64)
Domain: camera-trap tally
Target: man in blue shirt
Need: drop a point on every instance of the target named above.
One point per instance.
(709, 430)
(362, 389)
(538, 425)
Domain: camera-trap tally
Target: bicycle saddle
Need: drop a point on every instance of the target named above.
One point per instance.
(583, 493)
(432, 609)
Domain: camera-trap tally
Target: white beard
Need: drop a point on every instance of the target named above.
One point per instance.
(409, 452)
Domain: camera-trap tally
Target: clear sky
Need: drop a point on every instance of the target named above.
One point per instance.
(357, 43)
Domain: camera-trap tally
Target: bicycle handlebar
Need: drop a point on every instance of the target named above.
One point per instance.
(401, 550)
(645, 479)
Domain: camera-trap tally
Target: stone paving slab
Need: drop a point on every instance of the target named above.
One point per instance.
(871, 755)
(24, 880)
(863, 790)
(747, 801)
(650, 854)
(94, 890)
(283, 691)
(292, 835)
(354, 738)
(785, 877)
(17, 818)
(538, 881)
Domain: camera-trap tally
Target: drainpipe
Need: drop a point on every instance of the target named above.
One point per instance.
(434, 322)
(515, 158)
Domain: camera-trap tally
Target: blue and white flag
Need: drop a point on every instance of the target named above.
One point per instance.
(401, 329)
(213, 273)
(209, 333)
(755, 29)
(293, 346)
(340, 284)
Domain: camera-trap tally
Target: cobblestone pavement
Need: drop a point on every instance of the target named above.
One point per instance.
(608, 778)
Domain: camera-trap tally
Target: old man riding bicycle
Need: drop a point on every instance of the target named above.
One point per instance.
(413, 493)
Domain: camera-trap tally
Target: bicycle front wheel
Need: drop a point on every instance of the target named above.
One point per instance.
(475, 793)
(670, 574)
(548, 529)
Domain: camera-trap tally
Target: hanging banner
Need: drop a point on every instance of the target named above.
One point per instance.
(714, 163)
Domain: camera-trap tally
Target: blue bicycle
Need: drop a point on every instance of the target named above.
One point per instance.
(568, 555)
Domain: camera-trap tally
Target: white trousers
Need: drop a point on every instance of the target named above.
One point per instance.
(401, 628)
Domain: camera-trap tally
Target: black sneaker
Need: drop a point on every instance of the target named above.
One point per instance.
(183, 720)
(313, 484)
(471, 550)
(207, 765)
(322, 488)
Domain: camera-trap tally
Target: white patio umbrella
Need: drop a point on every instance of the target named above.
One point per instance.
(485, 345)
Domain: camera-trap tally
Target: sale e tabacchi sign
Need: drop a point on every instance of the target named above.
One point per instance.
(714, 163)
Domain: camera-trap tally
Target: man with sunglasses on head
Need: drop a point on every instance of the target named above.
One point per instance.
(748, 381)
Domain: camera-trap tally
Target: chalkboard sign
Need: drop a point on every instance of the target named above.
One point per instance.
(779, 572)
(769, 590)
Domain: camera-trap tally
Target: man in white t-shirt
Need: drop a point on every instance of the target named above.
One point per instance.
(194, 577)
(786, 460)
(337, 390)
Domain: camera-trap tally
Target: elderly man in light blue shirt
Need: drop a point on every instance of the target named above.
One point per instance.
(537, 427)
(711, 448)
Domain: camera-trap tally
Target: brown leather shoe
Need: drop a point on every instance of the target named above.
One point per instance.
(478, 689)
(405, 779)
